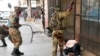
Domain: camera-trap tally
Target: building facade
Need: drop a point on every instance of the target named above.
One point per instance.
(83, 23)
(87, 25)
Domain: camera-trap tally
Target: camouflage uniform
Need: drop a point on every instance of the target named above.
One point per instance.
(58, 25)
(14, 32)
(3, 33)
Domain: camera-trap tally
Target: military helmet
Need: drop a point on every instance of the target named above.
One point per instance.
(57, 8)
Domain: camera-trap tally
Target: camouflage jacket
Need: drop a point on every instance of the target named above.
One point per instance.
(14, 20)
(58, 21)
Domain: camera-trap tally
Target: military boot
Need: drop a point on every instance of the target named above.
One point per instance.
(4, 43)
(16, 52)
(20, 53)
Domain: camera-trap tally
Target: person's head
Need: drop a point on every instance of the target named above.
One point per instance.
(57, 8)
(17, 9)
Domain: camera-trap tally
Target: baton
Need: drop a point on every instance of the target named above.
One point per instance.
(31, 31)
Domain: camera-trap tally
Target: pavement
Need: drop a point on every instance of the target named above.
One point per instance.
(41, 45)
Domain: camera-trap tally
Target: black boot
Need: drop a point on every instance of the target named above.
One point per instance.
(20, 53)
(16, 52)
(4, 43)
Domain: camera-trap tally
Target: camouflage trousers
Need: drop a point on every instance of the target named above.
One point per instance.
(3, 33)
(57, 37)
(15, 37)
(2, 36)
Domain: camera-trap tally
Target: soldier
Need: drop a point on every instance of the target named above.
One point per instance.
(14, 32)
(57, 25)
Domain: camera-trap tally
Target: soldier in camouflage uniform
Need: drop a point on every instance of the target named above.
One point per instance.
(57, 25)
(14, 31)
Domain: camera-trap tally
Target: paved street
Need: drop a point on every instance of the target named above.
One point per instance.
(41, 44)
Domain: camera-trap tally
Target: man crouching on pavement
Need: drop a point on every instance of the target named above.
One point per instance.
(14, 31)
(72, 46)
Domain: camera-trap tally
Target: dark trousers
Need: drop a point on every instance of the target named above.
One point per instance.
(4, 43)
(75, 49)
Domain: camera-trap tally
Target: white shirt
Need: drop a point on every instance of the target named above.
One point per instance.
(70, 43)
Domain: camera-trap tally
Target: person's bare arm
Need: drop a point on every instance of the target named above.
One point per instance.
(70, 7)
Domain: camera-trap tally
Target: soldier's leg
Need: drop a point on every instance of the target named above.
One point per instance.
(4, 43)
(55, 46)
(61, 44)
(18, 43)
(12, 33)
(16, 40)
(3, 40)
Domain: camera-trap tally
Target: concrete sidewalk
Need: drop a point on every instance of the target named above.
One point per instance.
(38, 24)
(41, 44)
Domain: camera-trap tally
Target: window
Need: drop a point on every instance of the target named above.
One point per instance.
(91, 9)
(38, 1)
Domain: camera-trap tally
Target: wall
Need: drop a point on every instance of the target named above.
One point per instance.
(87, 29)
(69, 32)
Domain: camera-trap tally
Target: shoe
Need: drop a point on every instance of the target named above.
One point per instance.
(16, 52)
(20, 53)
(61, 53)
